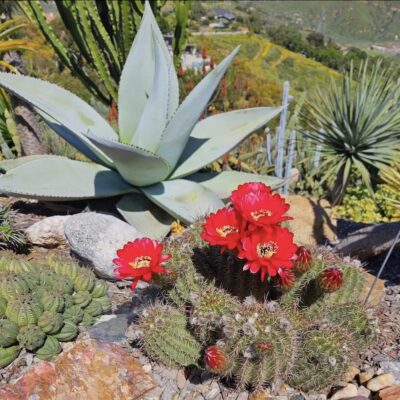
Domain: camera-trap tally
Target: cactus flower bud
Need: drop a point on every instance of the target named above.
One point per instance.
(331, 279)
(215, 359)
(286, 278)
(303, 260)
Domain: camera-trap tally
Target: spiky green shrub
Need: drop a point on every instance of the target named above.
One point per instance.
(358, 125)
(10, 237)
(258, 333)
(43, 304)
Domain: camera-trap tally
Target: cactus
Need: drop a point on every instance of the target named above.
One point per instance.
(31, 337)
(166, 337)
(52, 301)
(24, 309)
(50, 348)
(68, 332)
(50, 322)
(40, 307)
(84, 281)
(73, 314)
(82, 299)
(326, 353)
(100, 289)
(253, 332)
(8, 333)
(8, 355)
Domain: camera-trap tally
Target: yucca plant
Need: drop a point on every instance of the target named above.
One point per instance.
(391, 175)
(158, 151)
(102, 32)
(357, 122)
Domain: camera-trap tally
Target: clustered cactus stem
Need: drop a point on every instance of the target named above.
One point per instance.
(43, 304)
(302, 326)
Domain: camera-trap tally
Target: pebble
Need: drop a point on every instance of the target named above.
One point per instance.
(363, 391)
(366, 376)
(348, 391)
(243, 396)
(181, 379)
(147, 368)
(380, 382)
(393, 367)
(351, 373)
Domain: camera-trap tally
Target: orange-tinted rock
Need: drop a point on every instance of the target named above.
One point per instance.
(90, 370)
(390, 393)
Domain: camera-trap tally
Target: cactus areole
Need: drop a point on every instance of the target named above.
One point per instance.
(154, 160)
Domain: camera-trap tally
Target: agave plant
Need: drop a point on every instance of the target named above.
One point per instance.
(357, 122)
(154, 160)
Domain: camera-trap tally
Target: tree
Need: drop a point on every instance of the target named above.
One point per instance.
(316, 39)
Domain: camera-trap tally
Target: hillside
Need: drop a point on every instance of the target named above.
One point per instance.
(357, 23)
(267, 65)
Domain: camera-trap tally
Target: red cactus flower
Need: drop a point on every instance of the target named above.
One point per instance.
(180, 71)
(268, 249)
(303, 259)
(331, 279)
(113, 112)
(223, 228)
(140, 259)
(215, 359)
(286, 278)
(258, 205)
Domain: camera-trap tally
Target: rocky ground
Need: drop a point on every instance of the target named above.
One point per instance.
(379, 368)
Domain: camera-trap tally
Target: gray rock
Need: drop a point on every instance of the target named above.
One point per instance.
(94, 238)
(392, 367)
(368, 242)
(112, 330)
(49, 232)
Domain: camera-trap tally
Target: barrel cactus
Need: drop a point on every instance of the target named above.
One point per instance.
(154, 159)
(43, 304)
(259, 321)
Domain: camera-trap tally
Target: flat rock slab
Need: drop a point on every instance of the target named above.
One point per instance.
(89, 370)
(94, 238)
(369, 241)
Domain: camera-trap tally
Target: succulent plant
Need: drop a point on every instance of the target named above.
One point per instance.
(166, 338)
(50, 348)
(31, 337)
(256, 334)
(40, 307)
(154, 159)
(8, 355)
(8, 333)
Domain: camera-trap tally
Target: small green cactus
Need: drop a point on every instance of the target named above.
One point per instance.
(50, 348)
(82, 299)
(68, 332)
(50, 322)
(8, 355)
(40, 306)
(8, 333)
(73, 314)
(52, 301)
(31, 337)
(24, 309)
(84, 281)
(326, 353)
(166, 337)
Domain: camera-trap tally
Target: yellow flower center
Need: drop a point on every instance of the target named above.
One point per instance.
(256, 215)
(141, 262)
(225, 230)
(267, 249)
